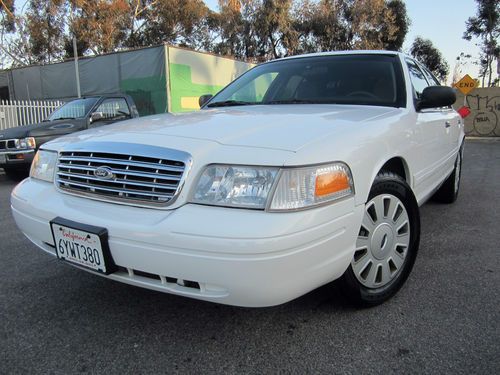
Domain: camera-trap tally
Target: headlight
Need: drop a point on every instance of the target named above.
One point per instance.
(250, 187)
(24, 143)
(235, 186)
(304, 187)
(44, 165)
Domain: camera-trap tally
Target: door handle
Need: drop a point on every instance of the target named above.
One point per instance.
(447, 124)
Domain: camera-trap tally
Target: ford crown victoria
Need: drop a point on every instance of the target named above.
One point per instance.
(302, 171)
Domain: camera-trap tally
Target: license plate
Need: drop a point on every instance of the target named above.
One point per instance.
(81, 244)
(3, 159)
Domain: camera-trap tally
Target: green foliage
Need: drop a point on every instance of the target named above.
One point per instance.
(45, 26)
(255, 30)
(486, 26)
(7, 17)
(425, 52)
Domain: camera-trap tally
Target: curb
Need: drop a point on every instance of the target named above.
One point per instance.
(487, 139)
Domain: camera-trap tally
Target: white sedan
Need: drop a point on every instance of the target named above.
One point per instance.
(302, 171)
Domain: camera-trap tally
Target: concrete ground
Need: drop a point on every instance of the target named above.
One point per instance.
(446, 319)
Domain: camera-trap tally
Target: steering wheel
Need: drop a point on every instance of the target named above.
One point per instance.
(363, 93)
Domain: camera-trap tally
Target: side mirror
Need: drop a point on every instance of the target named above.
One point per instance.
(96, 116)
(436, 96)
(204, 99)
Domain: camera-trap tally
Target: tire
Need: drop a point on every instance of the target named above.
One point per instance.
(448, 192)
(387, 243)
(15, 174)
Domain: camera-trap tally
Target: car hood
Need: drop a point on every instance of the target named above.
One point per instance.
(278, 127)
(57, 127)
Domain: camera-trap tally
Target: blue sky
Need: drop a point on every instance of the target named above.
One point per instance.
(441, 21)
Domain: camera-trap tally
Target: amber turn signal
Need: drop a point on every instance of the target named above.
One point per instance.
(331, 182)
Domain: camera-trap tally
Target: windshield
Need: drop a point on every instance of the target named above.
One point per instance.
(340, 79)
(74, 109)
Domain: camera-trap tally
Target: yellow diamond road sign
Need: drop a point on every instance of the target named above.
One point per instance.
(466, 84)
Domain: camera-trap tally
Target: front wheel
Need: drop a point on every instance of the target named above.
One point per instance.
(16, 173)
(387, 243)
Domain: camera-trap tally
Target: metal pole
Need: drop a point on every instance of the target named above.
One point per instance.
(75, 54)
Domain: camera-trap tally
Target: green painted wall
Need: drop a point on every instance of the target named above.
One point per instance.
(181, 85)
(149, 93)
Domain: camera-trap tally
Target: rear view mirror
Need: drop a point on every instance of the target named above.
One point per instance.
(436, 96)
(204, 99)
(96, 116)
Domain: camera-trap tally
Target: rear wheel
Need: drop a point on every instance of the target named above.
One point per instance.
(448, 192)
(387, 243)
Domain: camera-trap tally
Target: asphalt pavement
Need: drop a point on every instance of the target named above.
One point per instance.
(446, 319)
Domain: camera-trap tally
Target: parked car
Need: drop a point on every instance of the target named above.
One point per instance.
(18, 145)
(302, 171)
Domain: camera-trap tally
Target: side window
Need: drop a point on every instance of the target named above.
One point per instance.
(417, 78)
(430, 77)
(114, 107)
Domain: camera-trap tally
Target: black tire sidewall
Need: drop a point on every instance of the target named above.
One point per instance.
(457, 162)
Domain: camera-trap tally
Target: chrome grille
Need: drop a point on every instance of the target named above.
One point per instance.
(133, 179)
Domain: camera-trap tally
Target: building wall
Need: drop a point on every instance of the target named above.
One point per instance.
(138, 73)
(484, 120)
(141, 73)
(192, 74)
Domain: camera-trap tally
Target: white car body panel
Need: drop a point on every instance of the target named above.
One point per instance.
(238, 256)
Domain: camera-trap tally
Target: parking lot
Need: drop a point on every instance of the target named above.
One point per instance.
(446, 319)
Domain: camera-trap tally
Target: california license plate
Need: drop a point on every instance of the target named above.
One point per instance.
(3, 159)
(82, 244)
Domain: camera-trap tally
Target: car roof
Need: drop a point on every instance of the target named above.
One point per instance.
(104, 96)
(351, 52)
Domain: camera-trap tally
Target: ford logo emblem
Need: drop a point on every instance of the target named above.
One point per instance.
(104, 173)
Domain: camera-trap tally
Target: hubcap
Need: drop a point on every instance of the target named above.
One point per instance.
(383, 241)
(457, 172)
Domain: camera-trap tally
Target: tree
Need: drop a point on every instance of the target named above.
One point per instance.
(182, 22)
(7, 17)
(424, 51)
(353, 24)
(330, 25)
(45, 22)
(99, 25)
(248, 29)
(396, 25)
(303, 19)
(273, 26)
(378, 24)
(486, 26)
(228, 27)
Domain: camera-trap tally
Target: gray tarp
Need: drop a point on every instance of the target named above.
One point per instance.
(140, 73)
(27, 83)
(58, 81)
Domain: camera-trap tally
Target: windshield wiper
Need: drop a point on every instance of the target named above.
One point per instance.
(229, 103)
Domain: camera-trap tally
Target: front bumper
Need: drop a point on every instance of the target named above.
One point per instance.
(17, 158)
(235, 256)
